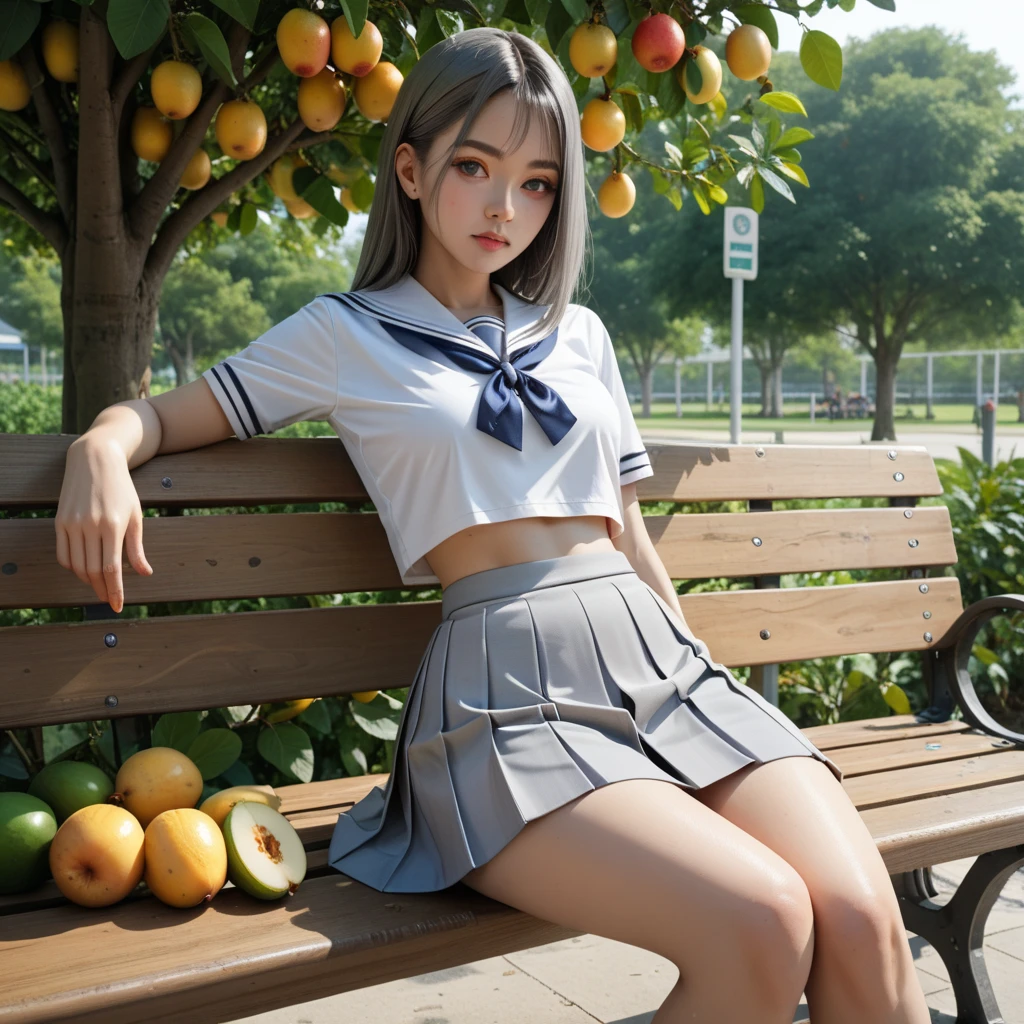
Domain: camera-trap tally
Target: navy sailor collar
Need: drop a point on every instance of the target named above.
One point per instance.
(407, 303)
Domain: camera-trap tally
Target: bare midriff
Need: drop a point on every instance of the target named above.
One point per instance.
(493, 545)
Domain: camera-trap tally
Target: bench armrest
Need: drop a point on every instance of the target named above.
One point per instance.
(954, 651)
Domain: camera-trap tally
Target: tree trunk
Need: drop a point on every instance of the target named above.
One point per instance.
(179, 360)
(884, 427)
(777, 392)
(1020, 406)
(766, 390)
(647, 387)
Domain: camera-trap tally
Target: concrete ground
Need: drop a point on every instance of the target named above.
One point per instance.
(942, 442)
(591, 979)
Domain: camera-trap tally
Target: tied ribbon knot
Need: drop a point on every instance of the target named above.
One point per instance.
(500, 414)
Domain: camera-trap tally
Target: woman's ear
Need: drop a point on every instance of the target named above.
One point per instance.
(406, 170)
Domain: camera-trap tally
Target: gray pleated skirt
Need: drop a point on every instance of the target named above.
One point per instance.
(545, 680)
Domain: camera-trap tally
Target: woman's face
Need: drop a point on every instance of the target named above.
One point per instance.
(481, 192)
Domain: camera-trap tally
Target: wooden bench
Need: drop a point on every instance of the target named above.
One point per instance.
(930, 791)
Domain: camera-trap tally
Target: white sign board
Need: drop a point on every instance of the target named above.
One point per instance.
(740, 251)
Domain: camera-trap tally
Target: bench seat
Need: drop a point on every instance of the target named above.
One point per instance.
(237, 957)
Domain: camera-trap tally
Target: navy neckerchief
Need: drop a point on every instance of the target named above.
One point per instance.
(498, 414)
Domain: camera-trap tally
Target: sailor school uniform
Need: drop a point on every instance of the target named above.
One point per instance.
(448, 424)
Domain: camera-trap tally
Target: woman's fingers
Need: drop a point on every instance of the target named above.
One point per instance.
(76, 544)
(133, 545)
(94, 563)
(112, 576)
(63, 548)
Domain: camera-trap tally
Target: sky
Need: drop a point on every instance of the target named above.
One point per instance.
(992, 25)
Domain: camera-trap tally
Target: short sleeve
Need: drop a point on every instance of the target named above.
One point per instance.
(288, 374)
(634, 462)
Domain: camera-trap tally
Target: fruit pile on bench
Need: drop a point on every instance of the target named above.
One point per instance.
(931, 787)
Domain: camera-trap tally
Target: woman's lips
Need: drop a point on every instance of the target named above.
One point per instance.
(490, 244)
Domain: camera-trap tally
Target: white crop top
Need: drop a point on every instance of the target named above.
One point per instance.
(444, 434)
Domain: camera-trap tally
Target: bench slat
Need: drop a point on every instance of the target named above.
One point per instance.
(874, 759)
(269, 470)
(136, 961)
(64, 672)
(206, 557)
(878, 730)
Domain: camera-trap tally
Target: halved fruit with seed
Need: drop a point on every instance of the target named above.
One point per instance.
(266, 857)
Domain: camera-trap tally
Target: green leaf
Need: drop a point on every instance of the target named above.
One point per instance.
(771, 178)
(745, 144)
(667, 91)
(847, 5)
(243, 11)
(377, 718)
(695, 33)
(886, 5)
(896, 698)
(362, 192)
(662, 182)
(450, 23)
(355, 14)
(214, 751)
(577, 9)
(136, 25)
(762, 17)
(18, 20)
(792, 155)
(822, 59)
(287, 748)
(428, 32)
(557, 23)
(787, 102)
(539, 10)
(793, 137)
(234, 217)
(316, 189)
(177, 730)
(674, 154)
(633, 111)
(756, 194)
(247, 219)
(794, 171)
(694, 78)
(700, 194)
(316, 716)
(984, 654)
(718, 194)
(213, 46)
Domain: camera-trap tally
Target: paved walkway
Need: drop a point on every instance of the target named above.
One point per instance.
(941, 442)
(590, 979)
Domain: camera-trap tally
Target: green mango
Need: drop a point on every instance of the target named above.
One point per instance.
(27, 827)
(67, 786)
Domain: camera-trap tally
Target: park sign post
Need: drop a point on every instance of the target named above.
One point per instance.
(739, 261)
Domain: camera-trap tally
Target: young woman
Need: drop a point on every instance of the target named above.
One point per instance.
(563, 689)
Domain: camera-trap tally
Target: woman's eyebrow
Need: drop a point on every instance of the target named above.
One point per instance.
(486, 147)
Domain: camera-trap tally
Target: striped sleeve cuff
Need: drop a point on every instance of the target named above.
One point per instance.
(234, 400)
(635, 466)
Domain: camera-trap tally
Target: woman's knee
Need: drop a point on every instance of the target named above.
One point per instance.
(775, 939)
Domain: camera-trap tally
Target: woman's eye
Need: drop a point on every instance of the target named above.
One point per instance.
(463, 164)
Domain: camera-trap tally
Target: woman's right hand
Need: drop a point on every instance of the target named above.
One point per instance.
(99, 511)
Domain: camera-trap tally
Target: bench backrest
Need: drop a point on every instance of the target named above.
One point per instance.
(126, 665)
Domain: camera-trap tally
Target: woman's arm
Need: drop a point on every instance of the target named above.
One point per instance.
(98, 511)
(636, 544)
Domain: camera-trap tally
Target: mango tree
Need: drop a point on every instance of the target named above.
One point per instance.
(131, 129)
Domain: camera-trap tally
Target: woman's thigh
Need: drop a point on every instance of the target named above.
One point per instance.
(643, 862)
(798, 808)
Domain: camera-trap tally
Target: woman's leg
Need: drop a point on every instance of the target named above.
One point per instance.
(642, 862)
(863, 969)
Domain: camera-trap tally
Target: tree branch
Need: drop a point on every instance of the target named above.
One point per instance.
(53, 130)
(128, 78)
(261, 70)
(202, 203)
(312, 139)
(25, 157)
(49, 227)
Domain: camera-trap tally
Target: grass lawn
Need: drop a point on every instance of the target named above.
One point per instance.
(797, 417)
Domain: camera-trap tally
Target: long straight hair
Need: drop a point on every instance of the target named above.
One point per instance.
(454, 79)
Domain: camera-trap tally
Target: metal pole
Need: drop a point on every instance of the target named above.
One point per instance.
(864, 377)
(813, 404)
(980, 360)
(988, 433)
(995, 379)
(679, 385)
(711, 384)
(929, 414)
(736, 386)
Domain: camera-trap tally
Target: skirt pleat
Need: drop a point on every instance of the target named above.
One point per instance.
(546, 680)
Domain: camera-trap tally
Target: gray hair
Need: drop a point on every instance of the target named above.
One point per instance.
(456, 77)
